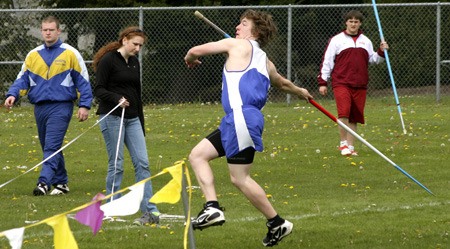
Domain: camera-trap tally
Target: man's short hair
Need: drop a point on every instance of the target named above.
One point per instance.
(354, 14)
(51, 19)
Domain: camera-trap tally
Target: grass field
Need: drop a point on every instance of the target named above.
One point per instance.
(333, 201)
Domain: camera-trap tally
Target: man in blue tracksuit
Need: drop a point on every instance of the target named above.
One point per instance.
(54, 76)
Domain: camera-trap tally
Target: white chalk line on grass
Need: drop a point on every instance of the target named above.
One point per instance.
(371, 208)
(122, 223)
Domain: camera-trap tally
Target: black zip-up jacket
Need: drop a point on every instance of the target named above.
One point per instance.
(115, 78)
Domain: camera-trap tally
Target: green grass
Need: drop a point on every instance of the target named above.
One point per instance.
(333, 201)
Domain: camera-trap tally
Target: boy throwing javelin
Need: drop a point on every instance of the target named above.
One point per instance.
(246, 78)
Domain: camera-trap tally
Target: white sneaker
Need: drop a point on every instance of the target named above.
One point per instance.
(60, 189)
(345, 151)
(209, 216)
(276, 234)
(352, 149)
(41, 189)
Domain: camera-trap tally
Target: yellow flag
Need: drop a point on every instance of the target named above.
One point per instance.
(171, 193)
(63, 237)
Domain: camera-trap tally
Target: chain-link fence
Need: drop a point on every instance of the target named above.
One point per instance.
(420, 64)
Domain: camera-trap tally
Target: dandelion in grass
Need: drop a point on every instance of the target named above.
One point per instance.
(344, 185)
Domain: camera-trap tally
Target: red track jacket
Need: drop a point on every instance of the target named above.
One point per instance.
(346, 62)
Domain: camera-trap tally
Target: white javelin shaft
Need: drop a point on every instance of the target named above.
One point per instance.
(202, 17)
(381, 154)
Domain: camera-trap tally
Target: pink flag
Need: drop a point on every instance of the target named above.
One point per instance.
(92, 215)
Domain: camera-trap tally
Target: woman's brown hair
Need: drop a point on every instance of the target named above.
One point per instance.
(128, 33)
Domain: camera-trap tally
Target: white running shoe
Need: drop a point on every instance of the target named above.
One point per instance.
(60, 189)
(276, 234)
(352, 149)
(345, 151)
(41, 189)
(209, 216)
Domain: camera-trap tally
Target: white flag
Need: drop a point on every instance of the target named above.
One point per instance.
(15, 237)
(126, 205)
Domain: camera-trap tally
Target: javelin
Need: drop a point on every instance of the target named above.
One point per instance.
(366, 143)
(388, 65)
(201, 17)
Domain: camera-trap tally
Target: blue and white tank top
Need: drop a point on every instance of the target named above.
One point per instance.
(244, 94)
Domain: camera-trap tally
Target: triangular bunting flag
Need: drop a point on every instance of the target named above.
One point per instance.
(170, 193)
(63, 237)
(92, 215)
(126, 205)
(15, 237)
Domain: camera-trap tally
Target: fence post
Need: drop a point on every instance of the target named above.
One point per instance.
(141, 62)
(438, 51)
(288, 50)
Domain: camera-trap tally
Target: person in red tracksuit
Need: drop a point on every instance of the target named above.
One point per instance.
(345, 63)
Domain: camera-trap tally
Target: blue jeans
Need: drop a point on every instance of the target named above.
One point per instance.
(133, 138)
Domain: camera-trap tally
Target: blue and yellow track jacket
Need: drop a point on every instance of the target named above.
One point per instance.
(53, 74)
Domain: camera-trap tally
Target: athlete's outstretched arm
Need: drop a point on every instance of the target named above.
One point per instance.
(284, 84)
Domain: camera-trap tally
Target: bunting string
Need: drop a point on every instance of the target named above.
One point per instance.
(63, 238)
